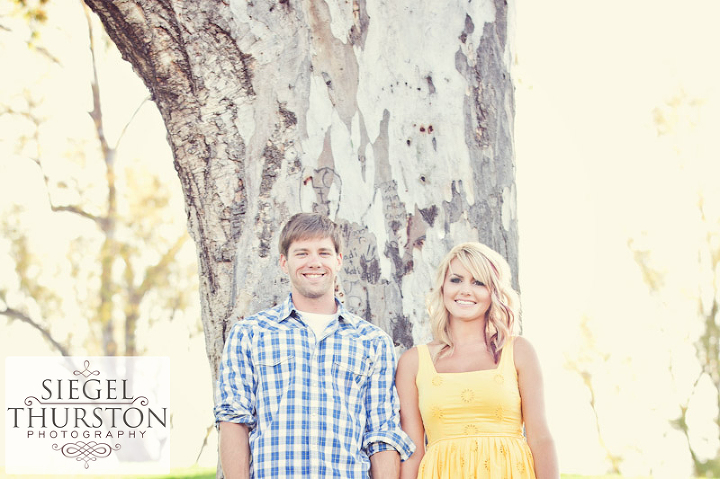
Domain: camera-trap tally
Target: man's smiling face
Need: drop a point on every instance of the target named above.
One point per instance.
(312, 265)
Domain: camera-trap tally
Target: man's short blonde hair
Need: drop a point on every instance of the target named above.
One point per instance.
(306, 226)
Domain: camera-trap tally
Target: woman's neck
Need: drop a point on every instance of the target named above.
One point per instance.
(467, 333)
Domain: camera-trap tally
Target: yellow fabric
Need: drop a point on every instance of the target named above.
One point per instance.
(473, 422)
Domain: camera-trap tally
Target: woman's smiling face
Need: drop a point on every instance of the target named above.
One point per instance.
(465, 298)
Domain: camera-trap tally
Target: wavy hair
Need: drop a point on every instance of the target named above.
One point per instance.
(489, 267)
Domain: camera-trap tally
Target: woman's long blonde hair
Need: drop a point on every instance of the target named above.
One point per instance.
(489, 267)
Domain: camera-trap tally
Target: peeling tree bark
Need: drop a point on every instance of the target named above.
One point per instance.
(394, 118)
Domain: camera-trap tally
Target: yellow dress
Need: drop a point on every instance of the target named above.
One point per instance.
(473, 422)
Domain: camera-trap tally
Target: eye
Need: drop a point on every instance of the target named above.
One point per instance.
(478, 283)
(455, 280)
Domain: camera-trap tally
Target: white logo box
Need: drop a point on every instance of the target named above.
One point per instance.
(87, 415)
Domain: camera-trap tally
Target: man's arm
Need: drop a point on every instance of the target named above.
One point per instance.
(385, 465)
(234, 450)
(383, 432)
(234, 404)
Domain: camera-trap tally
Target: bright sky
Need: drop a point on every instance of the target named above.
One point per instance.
(592, 174)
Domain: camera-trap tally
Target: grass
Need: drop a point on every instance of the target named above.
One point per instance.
(186, 473)
(209, 473)
(611, 476)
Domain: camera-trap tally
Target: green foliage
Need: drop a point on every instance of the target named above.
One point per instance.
(35, 14)
(35, 11)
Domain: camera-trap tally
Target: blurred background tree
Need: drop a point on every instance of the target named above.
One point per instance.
(588, 362)
(679, 123)
(121, 259)
(666, 351)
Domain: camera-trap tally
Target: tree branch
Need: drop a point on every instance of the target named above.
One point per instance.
(122, 133)
(96, 113)
(160, 267)
(36, 159)
(15, 314)
(78, 211)
(209, 429)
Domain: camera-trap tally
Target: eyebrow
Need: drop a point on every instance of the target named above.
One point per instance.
(463, 277)
(305, 250)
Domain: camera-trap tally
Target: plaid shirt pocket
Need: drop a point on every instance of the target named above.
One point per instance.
(275, 372)
(350, 378)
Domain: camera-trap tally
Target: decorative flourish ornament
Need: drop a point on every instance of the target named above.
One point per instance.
(86, 372)
(86, 451)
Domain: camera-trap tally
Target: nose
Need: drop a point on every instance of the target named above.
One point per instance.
(314, 260)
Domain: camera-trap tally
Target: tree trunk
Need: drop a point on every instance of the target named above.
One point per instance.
(394, 118)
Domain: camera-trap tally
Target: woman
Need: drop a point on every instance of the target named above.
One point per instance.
(471, 390)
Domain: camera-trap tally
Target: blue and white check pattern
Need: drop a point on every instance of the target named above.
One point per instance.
(315, 408)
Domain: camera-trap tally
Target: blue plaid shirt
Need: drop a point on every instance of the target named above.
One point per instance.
(315, 407)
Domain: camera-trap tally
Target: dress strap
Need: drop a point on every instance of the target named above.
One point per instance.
(506, 355)
(424, 360)
(423, 355)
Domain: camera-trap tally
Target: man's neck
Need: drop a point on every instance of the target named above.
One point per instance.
(323, 305)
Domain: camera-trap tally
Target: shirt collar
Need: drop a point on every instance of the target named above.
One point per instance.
(288, 307)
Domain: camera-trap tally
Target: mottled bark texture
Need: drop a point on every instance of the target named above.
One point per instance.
(394, 118)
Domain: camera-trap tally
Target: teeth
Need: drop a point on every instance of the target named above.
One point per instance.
(459, 301)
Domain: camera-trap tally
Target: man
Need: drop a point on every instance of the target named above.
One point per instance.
(306, 388)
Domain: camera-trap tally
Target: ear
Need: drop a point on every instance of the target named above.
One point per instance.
(340, 260)
(283, 264)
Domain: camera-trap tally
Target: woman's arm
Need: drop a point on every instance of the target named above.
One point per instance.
(410, 418)
(533, 410)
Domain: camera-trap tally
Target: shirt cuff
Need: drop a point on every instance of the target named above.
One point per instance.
(404, 446)
(236, 417)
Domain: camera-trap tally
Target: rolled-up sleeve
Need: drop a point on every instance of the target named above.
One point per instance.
(235, 388)
(383, 430)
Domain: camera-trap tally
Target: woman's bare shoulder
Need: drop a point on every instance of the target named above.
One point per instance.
(408, 362)
(409, 359)
(524, 352)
